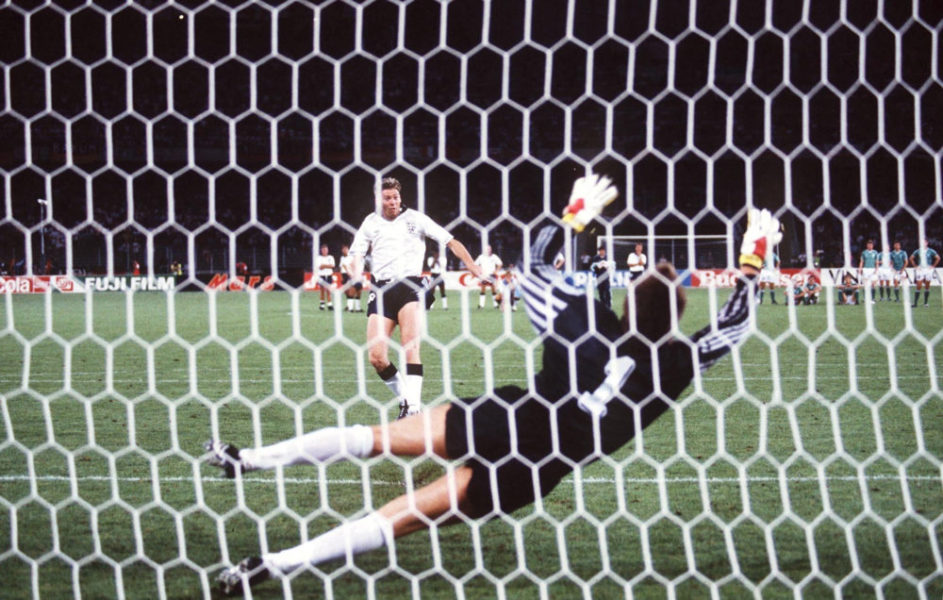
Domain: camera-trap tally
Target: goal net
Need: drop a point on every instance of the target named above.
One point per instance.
(171, 171)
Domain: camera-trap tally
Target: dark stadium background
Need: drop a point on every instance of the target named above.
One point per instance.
(85, 104)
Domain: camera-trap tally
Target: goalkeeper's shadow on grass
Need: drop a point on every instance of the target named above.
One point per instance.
(603, 378)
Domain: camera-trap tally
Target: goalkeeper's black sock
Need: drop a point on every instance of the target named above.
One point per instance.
(772, 296)
(762, 292)
(926, 296)
(896, 295)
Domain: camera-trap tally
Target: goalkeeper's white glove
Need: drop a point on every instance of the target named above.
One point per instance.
(590, 195)
(763, 232)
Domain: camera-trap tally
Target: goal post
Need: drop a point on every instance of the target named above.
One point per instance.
(170, 172)
(700, 251)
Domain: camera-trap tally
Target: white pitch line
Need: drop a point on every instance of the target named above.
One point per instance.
(590, 480)
(843, 365)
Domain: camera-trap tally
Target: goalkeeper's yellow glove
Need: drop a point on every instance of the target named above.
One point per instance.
(763, 232)
(589, 197)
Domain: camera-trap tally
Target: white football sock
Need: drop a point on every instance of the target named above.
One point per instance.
(481, 300)
(323, 445)
(445, 302)
(355, 537)
(414, 385)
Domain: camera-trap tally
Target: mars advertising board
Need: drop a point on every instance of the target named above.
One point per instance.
(221, 282)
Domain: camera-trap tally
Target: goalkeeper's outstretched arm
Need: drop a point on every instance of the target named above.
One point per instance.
(734, 321)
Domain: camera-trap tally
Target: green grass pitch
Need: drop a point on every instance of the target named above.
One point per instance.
(819, 466)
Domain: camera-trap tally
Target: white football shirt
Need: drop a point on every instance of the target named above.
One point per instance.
(489, 264)
(397, 246)
(326, 265)
(346, 264)
(636, 262)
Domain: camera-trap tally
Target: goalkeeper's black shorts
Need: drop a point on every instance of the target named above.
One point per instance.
(508, 438)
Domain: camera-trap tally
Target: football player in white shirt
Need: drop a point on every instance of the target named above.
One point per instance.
(326, 266)
(351, 289)
(395, 238)
(637, 262)
(489, 263)
(436, 266)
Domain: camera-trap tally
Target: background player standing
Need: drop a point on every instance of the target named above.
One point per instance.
(637, 262)
(326, 267)
(600, 267)
(867, 270)
(490, 264)
(885, 274)
(769, 276)
(352, 289)
(395, 238)
(899, 260)
(924, 260)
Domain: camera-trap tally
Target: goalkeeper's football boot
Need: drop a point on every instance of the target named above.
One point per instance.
(249, 572)
(590, 195)
(225, 456)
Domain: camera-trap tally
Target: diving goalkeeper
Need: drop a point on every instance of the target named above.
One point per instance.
(592, 395)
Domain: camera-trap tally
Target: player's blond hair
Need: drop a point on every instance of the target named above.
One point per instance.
(391, 183)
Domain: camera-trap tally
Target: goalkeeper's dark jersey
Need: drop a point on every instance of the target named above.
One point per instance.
(581, 336)
(509, 435)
